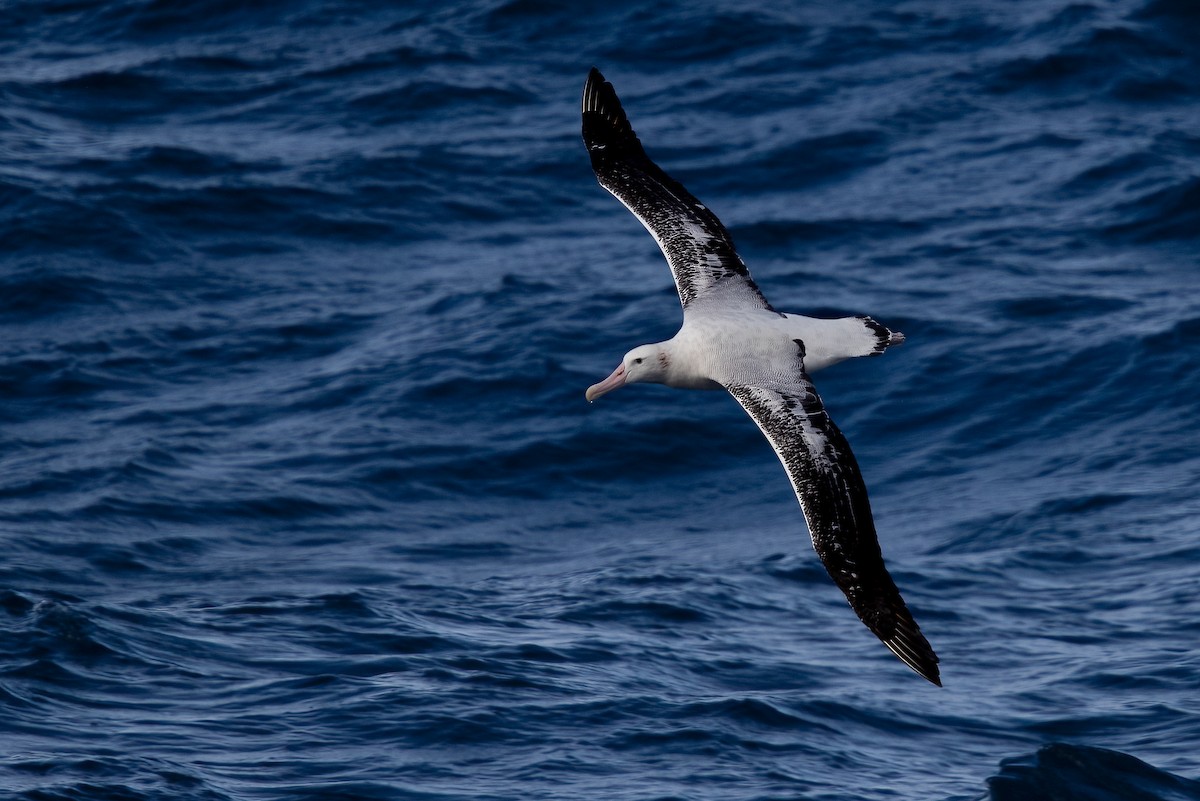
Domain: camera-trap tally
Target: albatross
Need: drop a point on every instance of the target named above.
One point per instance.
(733, 339)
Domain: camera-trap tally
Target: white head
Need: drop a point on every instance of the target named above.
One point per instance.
(643, 364)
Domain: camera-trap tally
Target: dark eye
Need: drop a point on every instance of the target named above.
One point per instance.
(637, 361)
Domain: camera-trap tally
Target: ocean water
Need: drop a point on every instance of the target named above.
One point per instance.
(300, 497)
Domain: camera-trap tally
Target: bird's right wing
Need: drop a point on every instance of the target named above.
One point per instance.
(827, 481)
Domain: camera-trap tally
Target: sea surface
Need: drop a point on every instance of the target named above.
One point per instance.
(300, 497)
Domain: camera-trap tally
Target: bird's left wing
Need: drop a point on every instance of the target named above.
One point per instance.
(697, 246)
(832, 494)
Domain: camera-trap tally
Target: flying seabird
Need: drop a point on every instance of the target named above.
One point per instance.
(733, 339)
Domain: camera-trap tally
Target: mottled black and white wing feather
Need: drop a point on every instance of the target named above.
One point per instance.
(696, 244)
(827, 481)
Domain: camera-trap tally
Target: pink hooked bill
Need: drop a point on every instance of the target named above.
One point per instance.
(617, 379)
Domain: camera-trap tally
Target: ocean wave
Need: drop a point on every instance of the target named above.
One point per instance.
(1171, 213)
(1124, 62)
(1083, 773)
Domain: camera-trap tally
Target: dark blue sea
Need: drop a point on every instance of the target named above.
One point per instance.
(300, 497)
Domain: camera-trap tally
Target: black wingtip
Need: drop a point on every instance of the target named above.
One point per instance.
(923, 666)
(593, 89)
(929, 671)
(910, 647)
(889, 619)
(606, 129)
